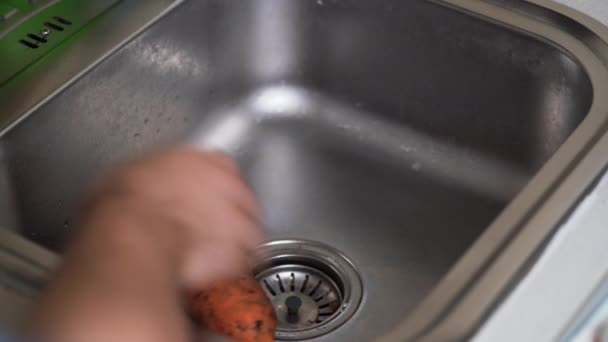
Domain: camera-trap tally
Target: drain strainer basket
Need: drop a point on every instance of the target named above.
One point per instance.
(314, 289)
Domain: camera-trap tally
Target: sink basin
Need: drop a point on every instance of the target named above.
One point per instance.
(395, 131)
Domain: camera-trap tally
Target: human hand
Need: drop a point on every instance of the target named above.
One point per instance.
(179, 219)
(192, 205)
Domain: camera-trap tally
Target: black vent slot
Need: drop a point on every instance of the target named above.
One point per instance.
(53, 26)
(62, 20)
(37, 38)
(28, 44)
(33, 41)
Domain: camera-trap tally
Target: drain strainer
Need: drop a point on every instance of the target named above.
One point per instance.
(302, 296)
(314, 289)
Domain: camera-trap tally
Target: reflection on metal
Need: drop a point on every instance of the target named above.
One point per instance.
(415, 150)
(313, 288)
(165, 58)
(437, 143)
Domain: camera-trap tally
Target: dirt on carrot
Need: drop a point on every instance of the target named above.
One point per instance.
(237, 308)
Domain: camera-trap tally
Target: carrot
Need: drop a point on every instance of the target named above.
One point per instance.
(238, 308)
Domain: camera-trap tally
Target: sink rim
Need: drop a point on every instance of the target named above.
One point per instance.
(504, 250)
(472, 288)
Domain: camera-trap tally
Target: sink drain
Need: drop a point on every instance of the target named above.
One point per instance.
(314, 289)
(302, 296)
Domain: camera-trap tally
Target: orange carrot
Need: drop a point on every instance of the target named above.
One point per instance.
(238, 308)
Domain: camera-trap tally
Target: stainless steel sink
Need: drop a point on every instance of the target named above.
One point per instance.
(412, 136)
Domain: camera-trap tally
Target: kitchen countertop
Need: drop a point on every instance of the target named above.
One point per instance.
(549, 303)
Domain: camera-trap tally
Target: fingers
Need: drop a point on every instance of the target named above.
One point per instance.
(216, 210)
(243, 231)
(220, 260)
(228, 227)
(236, 191)
(217, 159)
(222, 161)
(232, 184)
(223, 219)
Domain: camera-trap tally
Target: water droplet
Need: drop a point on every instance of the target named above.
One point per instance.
(406, 148)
